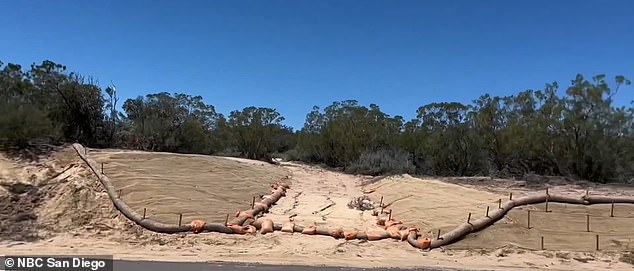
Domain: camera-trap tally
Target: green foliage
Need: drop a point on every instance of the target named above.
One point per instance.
(383, 161)
(165, 122)
(23, 125)
(344, 130)
(258, 132)
(45, 104)
(578, 133)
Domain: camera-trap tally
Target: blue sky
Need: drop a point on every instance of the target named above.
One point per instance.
(291, 55)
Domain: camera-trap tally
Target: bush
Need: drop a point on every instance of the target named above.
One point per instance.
(23, 125)
(382, 162)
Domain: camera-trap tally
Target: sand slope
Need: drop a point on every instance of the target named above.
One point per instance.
(430, 204)
(197, 186)
(105, 232)
(446, 205)
(63, 196)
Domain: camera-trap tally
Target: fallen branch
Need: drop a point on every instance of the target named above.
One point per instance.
(394, 201)
(324, 208)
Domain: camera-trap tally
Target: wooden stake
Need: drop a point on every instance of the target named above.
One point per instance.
(612, 210)
(390, 215)
(511, 196)
(469, 219)
(588, 222)
(438, 237)
(547, 191)
(101, 168)
(253, 203)
(487, 211)
(144, 210)
(547, 206)
(227, 220)
(499, 203)
(542, 242)
(180, 219)
(381, 203)
(597, 241)
(529, 218)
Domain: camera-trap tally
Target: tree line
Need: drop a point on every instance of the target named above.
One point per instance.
(576, 133)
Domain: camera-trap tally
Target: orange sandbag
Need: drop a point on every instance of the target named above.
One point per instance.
(394, 232)
(350, 235)
(244, 214)
(336, 233)
(405, 233)
(264, 206)
(267, 226)
(280, 185)
(424, 243)
(288, 227)
(238, 229)
(374, 235)
(392, 222)
(310, 230)
(250, 229)
(197, 226)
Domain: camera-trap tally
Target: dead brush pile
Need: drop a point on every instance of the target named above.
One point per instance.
(363, 203)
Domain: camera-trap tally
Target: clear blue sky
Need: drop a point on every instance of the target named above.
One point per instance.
(291, 55)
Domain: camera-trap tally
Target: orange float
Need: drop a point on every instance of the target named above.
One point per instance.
(237, 229)
(424, 243)
(394, 232)
(250, 229)
(336, 233)
(310, 230)
(350, 235)
(244, 214)
(267, 226)
(288, 227)
(392, 222)
(197, 226)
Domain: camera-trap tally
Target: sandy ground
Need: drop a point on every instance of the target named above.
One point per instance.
(433, 204)
(197, 186)
(564, 226)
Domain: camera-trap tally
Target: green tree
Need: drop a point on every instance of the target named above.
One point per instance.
(258, 132)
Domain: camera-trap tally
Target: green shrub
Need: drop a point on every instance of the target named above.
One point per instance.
(382, 162)
(23, 125)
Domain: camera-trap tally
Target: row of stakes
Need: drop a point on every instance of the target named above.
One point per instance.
(180, 216)
(547, 211)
